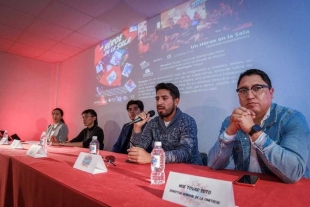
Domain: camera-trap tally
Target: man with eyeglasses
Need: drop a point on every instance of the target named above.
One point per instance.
(83, 139)
(262, 136)
(134, 107)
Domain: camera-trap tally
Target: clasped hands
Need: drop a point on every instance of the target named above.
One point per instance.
(241, 119)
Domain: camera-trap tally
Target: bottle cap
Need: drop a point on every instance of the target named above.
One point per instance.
(94, 137)
(157, 144)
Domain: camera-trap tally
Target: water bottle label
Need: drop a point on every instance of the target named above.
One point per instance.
(156, 161)
(92, 149)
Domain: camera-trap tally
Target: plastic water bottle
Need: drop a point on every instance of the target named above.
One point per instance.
(41, 138)
(43, 141)
(94, 146)
(158, 165)
(6, 135)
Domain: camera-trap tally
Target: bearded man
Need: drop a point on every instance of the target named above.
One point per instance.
(176, 130)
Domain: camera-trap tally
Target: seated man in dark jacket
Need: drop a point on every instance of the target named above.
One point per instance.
(134, 107)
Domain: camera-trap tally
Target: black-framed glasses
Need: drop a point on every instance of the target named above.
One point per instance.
(256, 89)
(110, 159)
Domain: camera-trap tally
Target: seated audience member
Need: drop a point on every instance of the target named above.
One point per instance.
(202, 29)
(197, 16)
(214, 20)
(144, 43)
(155, 40)
(183, 20)
(176, 130)
(90, 120)
(171, 36)
(187, 34)
(226, 13)
(57, 131)
(262, 136)
(134, 107)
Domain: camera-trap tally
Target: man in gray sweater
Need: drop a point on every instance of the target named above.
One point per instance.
(176, 130)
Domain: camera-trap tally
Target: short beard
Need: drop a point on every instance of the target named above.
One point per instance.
(162, 115)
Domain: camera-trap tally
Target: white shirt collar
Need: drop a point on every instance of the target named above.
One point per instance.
(266, 116)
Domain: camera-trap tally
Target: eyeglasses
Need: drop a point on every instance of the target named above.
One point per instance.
(110, 159)
(256, 90)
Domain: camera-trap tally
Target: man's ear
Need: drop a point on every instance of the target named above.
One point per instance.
(176, 101)
(271, 92)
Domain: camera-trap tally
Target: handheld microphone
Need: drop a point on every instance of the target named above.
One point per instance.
(151, 113)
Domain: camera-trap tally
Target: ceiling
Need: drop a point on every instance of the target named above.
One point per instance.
(55, 30)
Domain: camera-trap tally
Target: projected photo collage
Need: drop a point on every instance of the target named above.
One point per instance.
(139, 53)
(114, 67)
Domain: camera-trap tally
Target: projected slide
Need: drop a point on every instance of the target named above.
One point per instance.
(197, 46)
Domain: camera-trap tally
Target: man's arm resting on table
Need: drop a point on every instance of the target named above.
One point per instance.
(220, 153)
(288, 158)
(139, 155)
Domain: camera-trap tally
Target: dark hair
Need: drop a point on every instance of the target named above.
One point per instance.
(61, 113)
(93, 113)
(138, 102)
(173, 90)
(261, 73)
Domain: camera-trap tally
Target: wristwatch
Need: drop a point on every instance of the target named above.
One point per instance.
(254, 129)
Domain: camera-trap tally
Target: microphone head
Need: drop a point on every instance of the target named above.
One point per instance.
(151, 113)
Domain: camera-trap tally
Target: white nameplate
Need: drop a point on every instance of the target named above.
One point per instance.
(36, 151)
(90, 163)
(190, 190)
(16, 144)
(4, 141)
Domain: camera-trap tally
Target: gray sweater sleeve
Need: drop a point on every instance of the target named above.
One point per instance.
(62, 133)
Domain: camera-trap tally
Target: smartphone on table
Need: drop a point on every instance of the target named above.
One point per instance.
(129, 161)
(247, 180)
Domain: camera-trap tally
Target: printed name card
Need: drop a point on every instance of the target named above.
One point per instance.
(16, 144)
(36, 151)
(4, 141)
(90, 163)
(190, 190)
